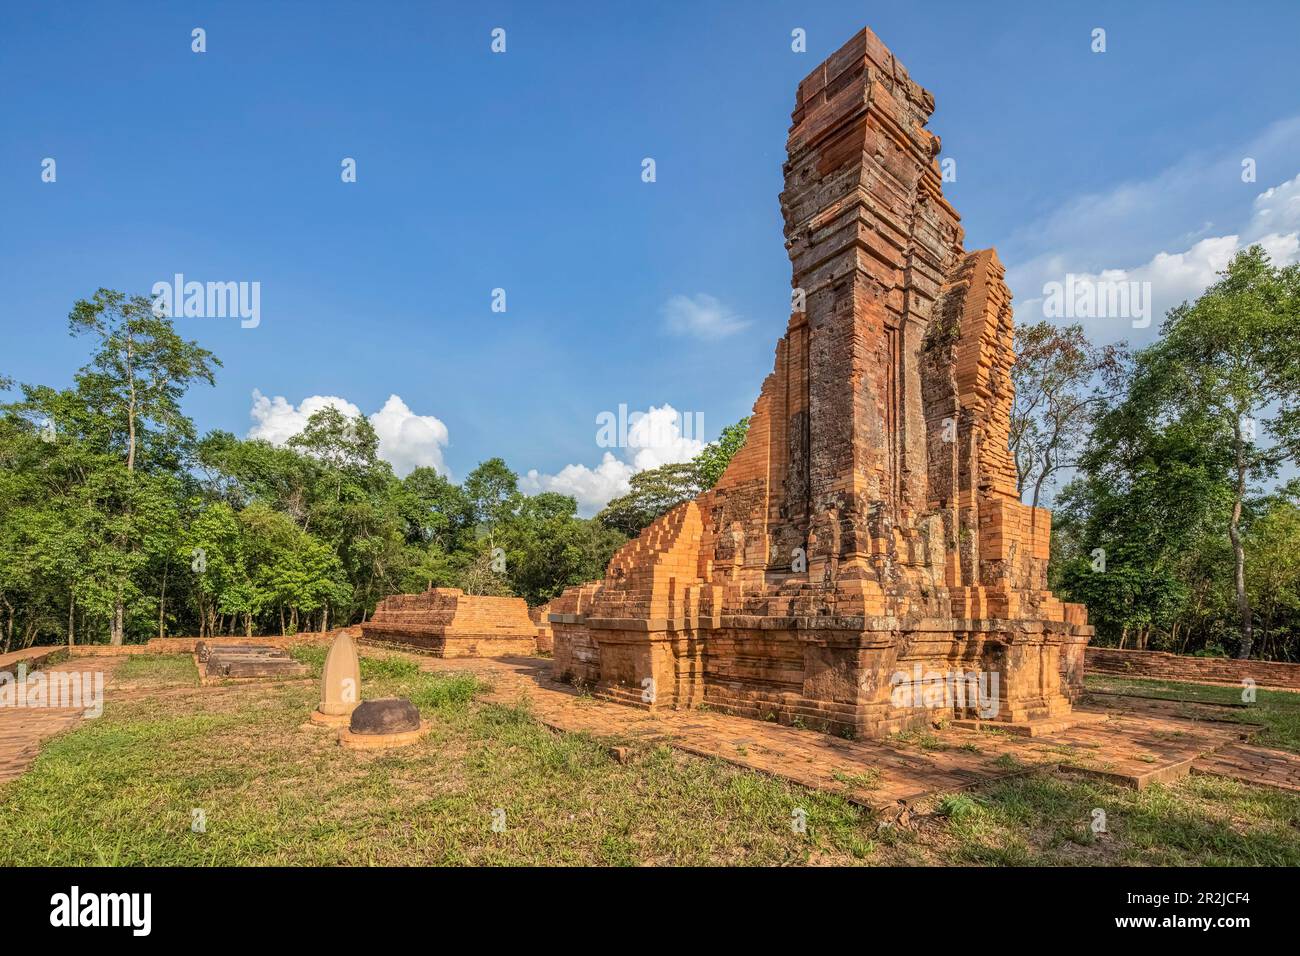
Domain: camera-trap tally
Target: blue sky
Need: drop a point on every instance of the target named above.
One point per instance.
(522, 171)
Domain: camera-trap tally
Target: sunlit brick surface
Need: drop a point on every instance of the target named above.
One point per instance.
(447, 622)
(870, 522)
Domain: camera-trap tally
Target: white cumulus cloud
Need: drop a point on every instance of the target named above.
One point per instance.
(592, 488)
(406, 440)
(1174, 276)
(660, 436)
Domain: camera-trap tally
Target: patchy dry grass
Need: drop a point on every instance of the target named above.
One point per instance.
(1048, 819)
(121, 790)
(140, 671)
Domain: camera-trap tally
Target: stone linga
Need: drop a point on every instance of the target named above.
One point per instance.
(865, 564)
(340, 688)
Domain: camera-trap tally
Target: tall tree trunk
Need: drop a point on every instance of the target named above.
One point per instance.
(162, 605)
(1238, 550)
(9, 627)
(118, 628)
(130, 408)
(119, 609)
(72, 618)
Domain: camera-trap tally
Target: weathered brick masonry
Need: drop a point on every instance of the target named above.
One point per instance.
(541, 618)
(447, 622)
(1206, 670)
(870, 522)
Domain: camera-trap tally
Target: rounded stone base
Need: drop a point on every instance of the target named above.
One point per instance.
(329, 720)
(381, 741)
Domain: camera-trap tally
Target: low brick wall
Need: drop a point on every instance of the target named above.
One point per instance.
(179, 645)
(1162, 665)
(33, 657)
(185, 645)
(106, 650)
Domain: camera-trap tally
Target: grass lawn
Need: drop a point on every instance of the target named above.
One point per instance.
(121, 790)
(1277, 710)
(157, 670)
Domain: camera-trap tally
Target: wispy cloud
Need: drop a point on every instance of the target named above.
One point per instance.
(1176, 229)
(700, 316)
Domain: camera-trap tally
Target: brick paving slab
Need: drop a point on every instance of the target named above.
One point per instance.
(33, 657)
(1132, 750)
(1249, 764)
(1207, 712)
(24, 729)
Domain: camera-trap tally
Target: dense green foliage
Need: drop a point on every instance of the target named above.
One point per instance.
(1174, 531)
(118, 523)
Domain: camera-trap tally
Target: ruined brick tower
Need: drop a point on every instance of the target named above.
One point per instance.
(870, 523)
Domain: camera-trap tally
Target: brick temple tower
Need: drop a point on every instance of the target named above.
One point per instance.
(870, 523)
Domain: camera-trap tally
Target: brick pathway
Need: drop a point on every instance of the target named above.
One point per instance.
(1169, 707)
(1132, 750)
(24, 729)
(1258, 765)
(33, 657)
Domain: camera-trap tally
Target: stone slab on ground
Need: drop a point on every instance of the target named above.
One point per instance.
(247, 662)
(1043, 727)
(402, 738)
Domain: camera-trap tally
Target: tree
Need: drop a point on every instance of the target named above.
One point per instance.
(493, 493)
(1272, 545)
(1230, 357)
(213, 549)
(292, 569)
(138, 372)
(435, 510)
(653, 492)
(1129, 529)
(1062, 381)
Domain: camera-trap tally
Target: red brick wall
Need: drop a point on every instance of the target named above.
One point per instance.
(33, 657)
(185, 645)
(1205, 670)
